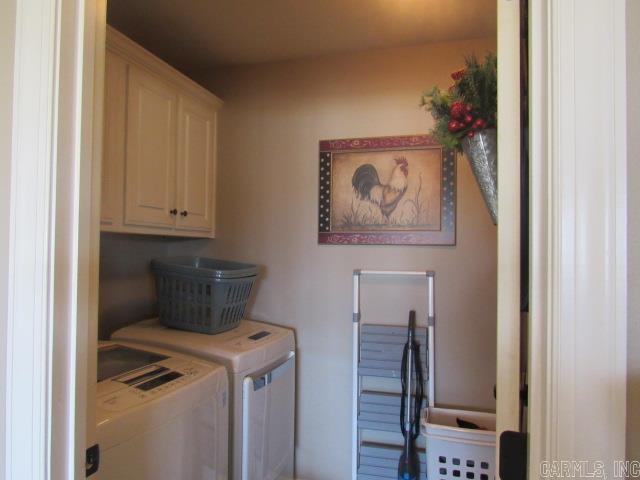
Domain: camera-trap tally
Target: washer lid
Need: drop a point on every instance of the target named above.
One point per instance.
(143, 399)
(248, 347)
(117, 359)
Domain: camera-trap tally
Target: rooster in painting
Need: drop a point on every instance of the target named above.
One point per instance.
(367, 186)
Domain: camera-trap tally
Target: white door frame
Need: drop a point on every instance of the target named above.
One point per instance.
(578, 233)
(51, 274)
(508, 302)
(578, 239)
(26, 379)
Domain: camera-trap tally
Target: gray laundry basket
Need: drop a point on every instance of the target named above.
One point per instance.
(202, 294)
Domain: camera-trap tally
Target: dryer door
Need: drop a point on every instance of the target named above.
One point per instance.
(268, 405)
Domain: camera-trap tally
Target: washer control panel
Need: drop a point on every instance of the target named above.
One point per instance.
(245, 340)
(148, 383)
(257, 336)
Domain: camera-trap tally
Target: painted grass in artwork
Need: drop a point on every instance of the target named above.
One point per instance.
(420, 211)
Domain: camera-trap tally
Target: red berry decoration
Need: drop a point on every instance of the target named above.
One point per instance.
(469, 107)
(479, 123)
(458, 74)
(457, 110)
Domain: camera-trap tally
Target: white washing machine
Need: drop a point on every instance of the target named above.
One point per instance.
(160, 415)
(260, 359)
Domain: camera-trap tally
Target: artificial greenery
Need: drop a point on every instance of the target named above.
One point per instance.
(469, 105)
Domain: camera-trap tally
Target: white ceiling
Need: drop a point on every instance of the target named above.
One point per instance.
(196, 35)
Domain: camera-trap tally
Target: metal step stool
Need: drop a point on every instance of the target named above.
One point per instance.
(377, 353)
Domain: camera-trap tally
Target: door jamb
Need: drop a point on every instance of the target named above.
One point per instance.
(52, 246)
(578, 234)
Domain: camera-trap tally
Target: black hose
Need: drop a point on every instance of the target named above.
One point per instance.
(419, 391)
(408, 463)
(403, 376)
(419, 395)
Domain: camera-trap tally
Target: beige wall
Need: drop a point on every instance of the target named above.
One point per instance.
(126, 285)
(127, 289)
(633, 113)
(273, 117)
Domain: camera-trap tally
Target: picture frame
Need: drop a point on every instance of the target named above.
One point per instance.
(398, 190)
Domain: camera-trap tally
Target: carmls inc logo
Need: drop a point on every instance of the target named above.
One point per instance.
(588, 469)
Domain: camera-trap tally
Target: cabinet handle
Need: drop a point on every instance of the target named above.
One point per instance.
(174, 211)
(184, 213)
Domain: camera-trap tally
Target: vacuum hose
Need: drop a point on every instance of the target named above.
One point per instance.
(410, 372)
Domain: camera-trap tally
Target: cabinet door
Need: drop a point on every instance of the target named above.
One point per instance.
(151, 151)
(115, 104)
(196, 165)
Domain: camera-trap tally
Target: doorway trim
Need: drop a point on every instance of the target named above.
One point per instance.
(508, 301)
(51, 274)
(578, 233)
(31, 242)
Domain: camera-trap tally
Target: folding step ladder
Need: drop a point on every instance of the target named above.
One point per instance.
(377, 352)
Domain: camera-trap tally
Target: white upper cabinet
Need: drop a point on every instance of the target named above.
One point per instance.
(196, 159)
(159, 164)
(115, 111)
(150, 173)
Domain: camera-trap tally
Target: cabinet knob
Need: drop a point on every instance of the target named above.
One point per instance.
(184, 213)
(174, 211)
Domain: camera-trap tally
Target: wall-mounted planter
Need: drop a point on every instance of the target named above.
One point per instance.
(481, 150)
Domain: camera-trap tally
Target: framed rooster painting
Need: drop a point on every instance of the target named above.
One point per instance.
(387, 191)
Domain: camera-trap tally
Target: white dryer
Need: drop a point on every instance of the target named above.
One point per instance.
(260, 359)
(160, 415)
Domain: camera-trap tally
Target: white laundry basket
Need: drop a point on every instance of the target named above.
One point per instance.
(455, 453)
